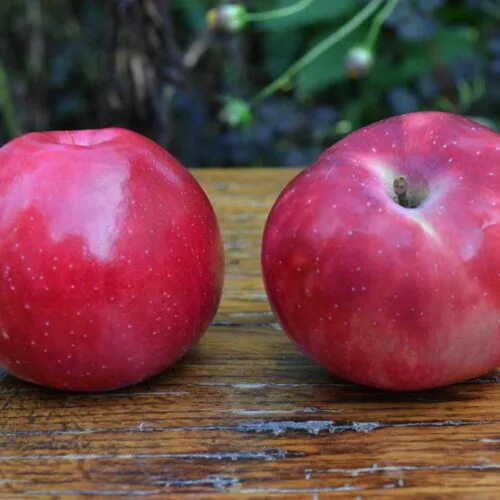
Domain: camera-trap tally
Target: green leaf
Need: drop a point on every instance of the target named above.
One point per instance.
(452, 42)
(329, 68)
(281, 49)
(388, 73)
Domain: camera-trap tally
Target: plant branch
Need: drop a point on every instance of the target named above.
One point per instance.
(279, 13)
(318, 49)
(378, 21)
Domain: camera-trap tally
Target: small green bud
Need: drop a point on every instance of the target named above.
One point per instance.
(236, 112)
(358, 61)
(231, 18)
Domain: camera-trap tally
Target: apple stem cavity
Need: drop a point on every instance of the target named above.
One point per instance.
(406, 197)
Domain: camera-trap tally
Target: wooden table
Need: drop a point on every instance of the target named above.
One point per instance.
(245, 414)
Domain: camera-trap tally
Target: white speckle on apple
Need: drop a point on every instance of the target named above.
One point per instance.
(45, 334)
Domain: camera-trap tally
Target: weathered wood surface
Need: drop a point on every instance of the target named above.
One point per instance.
(246, 415)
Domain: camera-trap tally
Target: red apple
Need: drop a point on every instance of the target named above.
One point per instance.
(382, 259)
(110, 259)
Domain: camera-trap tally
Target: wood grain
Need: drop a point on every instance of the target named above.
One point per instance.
(245, 415)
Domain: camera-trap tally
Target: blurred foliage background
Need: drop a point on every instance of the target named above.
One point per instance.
(158, 67)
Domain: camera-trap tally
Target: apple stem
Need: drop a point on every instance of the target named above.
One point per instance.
(401, 196)
(406, 197)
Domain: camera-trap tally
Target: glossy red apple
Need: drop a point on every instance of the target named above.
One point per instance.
(110, 259)
(382, 260)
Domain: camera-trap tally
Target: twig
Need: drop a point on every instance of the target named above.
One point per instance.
(318, 49)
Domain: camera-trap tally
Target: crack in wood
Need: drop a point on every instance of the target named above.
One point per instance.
(216, 482)
(275, 427)
(119, 493)
(375, 468)
(317, 426)
(233, 456)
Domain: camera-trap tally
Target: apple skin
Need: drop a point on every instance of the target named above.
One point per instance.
(386, 296)
(111, 259)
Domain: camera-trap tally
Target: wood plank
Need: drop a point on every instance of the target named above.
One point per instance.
(245, 414)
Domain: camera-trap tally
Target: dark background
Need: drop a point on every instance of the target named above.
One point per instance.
(67, 64)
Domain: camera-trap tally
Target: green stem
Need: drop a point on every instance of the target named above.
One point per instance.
(278, 13)
(318, 49)
(378, 21)
(6, 107)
